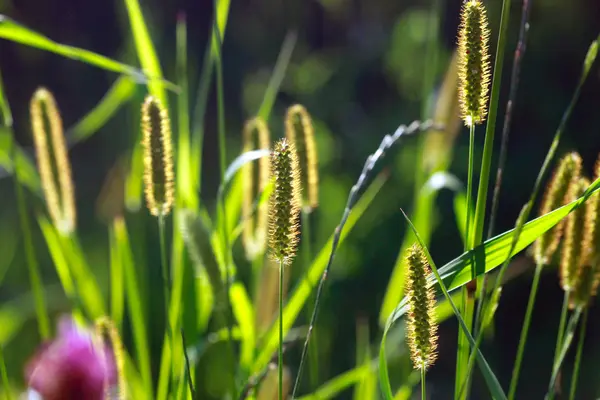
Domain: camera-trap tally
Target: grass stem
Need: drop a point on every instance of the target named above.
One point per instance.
(313, 352)
(423, 394)
(280, 360)
(524, 331)
(166, 285)
(561, 331)
(4, 372)
(575, 375)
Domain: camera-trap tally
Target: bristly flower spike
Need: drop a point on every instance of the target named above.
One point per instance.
(572, 256)
(59, 200)
(557, 194)
(297, 118)
(158, 157)
(473, 62)
(421, 324)
(105, 326)
(254, 235)
(284, 204)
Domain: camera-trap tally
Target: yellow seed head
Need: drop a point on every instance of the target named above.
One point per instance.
(56, 179)
(298, 118)
(104, 326)
(558, 193)
(473, 62)
(421, 326)
(284, 204)
(572, 256)
(254, 236)
(158, 157)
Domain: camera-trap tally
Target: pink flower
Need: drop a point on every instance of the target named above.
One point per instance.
(75, 365)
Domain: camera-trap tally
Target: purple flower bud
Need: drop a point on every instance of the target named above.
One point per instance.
(75, 365)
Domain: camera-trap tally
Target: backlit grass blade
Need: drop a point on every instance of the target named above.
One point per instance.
(493, 252)
(28, 175)
(332, 388)
(13, 31)
(118, 94)
(243, 312)
(305, 287)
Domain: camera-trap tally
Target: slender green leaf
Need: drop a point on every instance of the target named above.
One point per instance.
(117, 292)
(243, 312)
(239, 162)
(332, 388)
(303, 290)
(28, 175)
(12, 30)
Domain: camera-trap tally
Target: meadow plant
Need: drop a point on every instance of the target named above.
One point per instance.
(207, 303)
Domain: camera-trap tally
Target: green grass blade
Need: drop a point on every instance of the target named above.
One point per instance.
(5, 106)
(135, 304)
(493, 252)
(4, 373)
(384, 377)
(117, 290)
(14, 157)
(243, 311)
(306, 286)
(332, 388)
(13, 31)
(118, 94)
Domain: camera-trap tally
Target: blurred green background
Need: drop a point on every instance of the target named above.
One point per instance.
(359, 68)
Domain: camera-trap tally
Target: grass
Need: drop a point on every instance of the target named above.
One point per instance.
(209, 305)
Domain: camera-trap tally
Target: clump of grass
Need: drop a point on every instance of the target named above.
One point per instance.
(254, 235)
(56, 178)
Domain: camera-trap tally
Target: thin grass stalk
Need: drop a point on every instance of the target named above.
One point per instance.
(387, 142)
(166, 286)
(423, 394)
(470, 186)
(34, 272)
(313, 356)
(560, 332)
(512, 97)
(567, 339)
(575, 375)
(4, 373)
(280, 353)
(524, 331)
(526, 210)
(188, 373)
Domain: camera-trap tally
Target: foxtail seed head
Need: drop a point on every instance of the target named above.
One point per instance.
(59, 200)
(572, 256)
(254, 235)
(298, 118)
(473, 62)
(557, 194)
(284, 204)
(421, 325)
(158, 157)
(104, 326)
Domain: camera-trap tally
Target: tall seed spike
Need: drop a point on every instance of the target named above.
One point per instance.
(572, 257)
(421, 325)
(284, 204)
(59, 200)
(105, 326)
(254, 235)
(158, 157)
(557, 194)
(307, 152)
(473, 62)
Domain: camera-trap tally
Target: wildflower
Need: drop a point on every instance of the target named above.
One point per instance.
(284, 204)
(473, 62)
(74, 366)
(421, 325)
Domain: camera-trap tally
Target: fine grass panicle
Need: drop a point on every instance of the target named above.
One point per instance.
(56, 178)
(298, 119)
(421, 326)
(284, 204)
(571, 255)
(473, 62)
(254, 235)
(158, 157)
(565, 177)
(105, 327)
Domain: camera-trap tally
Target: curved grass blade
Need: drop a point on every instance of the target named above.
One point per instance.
(118, 94)
(11, 154)
(495, 251)
(332, 388)
(13, 31)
